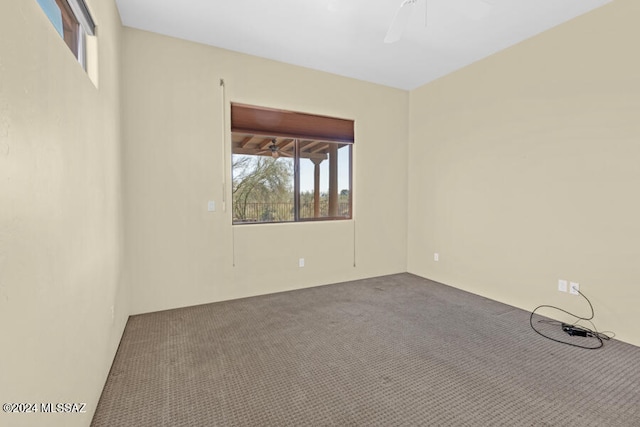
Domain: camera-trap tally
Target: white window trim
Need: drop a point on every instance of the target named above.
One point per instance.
(83, 16)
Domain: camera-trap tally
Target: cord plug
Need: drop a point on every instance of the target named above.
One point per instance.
(574, 331)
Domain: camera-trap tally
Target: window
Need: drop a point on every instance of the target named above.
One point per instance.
(289, 166)
(72, 20)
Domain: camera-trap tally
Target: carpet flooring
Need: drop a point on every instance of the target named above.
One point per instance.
(389, 351)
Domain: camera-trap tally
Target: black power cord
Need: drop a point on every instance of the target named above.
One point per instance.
(572, 329)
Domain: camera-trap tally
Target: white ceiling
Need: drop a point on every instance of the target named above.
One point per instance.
(345, 37)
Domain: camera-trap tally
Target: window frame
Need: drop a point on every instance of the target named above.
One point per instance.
(297, 157)
(297, 193)
(77, 24)
(276, 123)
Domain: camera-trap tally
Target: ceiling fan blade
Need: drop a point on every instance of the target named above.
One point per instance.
(399, 21)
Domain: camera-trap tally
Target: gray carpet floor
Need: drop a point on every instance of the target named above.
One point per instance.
(390, 351)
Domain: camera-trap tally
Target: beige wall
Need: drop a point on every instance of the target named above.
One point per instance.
(524, 169)
(61, 245)
(177, 158)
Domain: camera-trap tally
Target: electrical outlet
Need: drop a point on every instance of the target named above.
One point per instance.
(574, 287)
(562, 285)
(436, 256)
(301, 262)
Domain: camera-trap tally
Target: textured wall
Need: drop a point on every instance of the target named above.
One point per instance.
(524, 170)
(62, 306)
(177, 157)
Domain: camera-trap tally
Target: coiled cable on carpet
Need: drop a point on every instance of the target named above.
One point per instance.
(591, 333)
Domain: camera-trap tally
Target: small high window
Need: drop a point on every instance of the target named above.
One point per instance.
(290, 166)
(72, 20)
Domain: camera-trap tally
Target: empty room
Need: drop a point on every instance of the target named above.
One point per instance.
(324, 212)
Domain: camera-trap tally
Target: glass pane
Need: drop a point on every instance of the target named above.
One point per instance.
(262, 188)
(52, 11)
(65, 22)
(318, 161)
(344, 181)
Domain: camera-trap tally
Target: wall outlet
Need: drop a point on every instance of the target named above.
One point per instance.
(436, 256)
(574, 287)
(211, 206)
(562, 285)
(301, 262)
